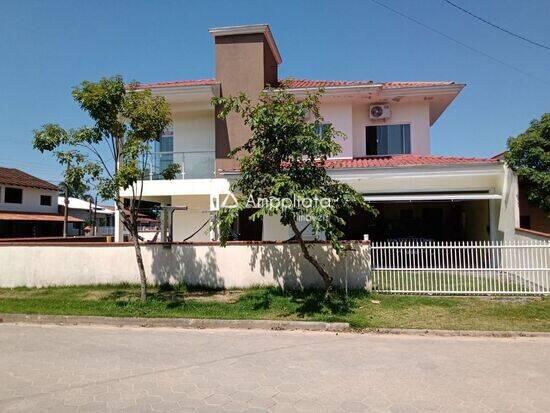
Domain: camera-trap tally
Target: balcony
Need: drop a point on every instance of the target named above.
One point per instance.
(194, 165)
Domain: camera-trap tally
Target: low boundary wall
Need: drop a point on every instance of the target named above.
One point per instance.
(238, 265)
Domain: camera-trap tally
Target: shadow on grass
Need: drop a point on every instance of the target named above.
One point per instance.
(286, 303)
(304, 302)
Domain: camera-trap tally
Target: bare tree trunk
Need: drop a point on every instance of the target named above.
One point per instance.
(141, 267)
(66, 214)
(327, 279)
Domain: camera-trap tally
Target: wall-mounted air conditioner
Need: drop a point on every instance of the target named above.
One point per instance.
(379, 111)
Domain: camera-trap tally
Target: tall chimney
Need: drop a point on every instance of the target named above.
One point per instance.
(247, 60)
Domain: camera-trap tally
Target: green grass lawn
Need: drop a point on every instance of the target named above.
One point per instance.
(360, 309)
(472, 281)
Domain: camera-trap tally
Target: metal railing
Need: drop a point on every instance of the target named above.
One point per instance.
(194, 165)
(461, 267)
(105, 230)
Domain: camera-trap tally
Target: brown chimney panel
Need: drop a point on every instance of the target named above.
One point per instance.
(245, 63)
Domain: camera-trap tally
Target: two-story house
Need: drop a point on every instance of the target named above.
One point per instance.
(28, 206)
(386, 156)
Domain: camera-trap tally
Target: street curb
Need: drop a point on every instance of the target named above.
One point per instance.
(452, 333)
(204, 323)
(199, 323)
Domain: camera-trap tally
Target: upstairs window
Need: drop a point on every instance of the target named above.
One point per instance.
(322, 128)
(45, 200)
(388, 139)
(13, 195)
(166, 142)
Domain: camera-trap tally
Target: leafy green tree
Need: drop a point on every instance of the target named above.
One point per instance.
(529, 156)
(77, 170)
(284, 160)
(126, 121)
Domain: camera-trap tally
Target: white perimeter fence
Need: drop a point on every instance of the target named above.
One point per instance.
(474, 267)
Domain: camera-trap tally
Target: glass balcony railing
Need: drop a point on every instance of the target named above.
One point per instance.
(194, 165)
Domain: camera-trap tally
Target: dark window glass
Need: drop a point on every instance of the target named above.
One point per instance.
(13, 196)
(45, 200)
(525, 221)
(322, 128)
(388, 139)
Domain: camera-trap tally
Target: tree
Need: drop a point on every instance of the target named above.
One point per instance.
(126, 121)
(284, 161)
(529, 156)
(77, 170)
(91, 208)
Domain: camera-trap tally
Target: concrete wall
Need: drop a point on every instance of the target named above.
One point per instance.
(235, 266)
(31, 200)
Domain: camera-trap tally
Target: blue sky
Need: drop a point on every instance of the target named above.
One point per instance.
(46, 48)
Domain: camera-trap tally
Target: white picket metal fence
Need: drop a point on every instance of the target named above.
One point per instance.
(470, 267)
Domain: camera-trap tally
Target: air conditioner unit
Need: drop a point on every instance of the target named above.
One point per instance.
(379, 111)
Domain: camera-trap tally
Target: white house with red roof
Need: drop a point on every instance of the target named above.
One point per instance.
(28, 206)
(386, 156)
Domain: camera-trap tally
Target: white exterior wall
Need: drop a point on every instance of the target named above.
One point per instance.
(508, 219)
(210, 265)
(31, 200)
(416, 114)
(194, 131)
(340, 115)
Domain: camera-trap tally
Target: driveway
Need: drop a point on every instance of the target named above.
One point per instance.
(53, 368)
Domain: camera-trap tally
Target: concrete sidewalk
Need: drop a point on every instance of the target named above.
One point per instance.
(52, 368)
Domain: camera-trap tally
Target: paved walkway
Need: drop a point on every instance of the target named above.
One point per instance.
(57, 369)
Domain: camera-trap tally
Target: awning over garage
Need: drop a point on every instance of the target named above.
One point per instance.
(430, 196)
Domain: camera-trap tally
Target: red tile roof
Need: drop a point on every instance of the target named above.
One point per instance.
(304, 83)
(33, 216)
(179, 83)
(400, 161)
(15, 177)
(299, 83)
(396, 161)
(396, 85)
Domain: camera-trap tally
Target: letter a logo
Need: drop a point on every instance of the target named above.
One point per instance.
(230, 201)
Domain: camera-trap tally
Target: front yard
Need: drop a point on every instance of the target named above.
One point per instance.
(361, 310)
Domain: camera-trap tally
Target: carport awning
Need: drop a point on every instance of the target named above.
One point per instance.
(429, 197)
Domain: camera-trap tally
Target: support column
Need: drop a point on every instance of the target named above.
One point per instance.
(214, 208)
(493, 219)
(164, 223)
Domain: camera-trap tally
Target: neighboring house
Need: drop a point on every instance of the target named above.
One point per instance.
(386, 156)
(28, 206)
(86, 212)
